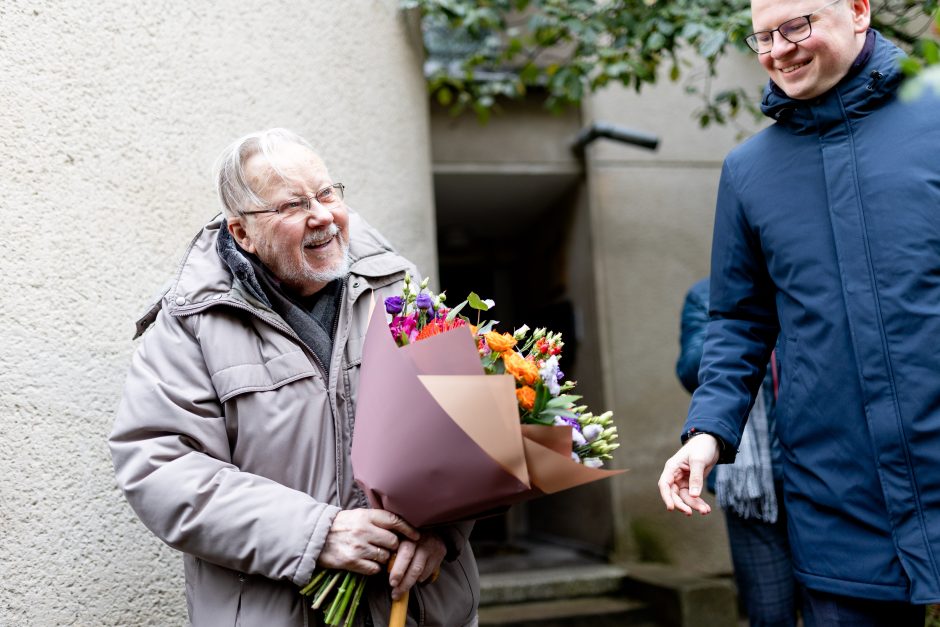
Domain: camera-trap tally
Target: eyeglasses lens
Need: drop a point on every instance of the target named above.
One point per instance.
(299, 208)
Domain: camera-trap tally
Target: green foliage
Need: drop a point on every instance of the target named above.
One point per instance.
(494, 49)
(933, 616)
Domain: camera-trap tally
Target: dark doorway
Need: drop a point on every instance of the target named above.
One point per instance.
(522, 239)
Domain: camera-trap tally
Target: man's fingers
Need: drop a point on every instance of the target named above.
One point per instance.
(406, 551)
(678, 502)
(694, 502)
(696, 476)
(394, 522)
(665, 492)
(414, 572)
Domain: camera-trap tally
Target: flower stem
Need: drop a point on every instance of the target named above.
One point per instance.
(325, 590)
(360, 586)
(338, 606)
(306, 590)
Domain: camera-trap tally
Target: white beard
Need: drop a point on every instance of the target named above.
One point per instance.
(298, 274)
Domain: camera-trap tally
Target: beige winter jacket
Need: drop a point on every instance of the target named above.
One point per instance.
(231, 446)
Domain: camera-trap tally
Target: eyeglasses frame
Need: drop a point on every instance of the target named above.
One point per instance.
(337, 186)
(806, 17)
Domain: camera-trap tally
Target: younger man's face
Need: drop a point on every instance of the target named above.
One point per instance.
(813, 66)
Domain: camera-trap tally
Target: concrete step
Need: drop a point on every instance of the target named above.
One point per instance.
(602, 611)
(573, 595)
(562, 582)
(602, 595)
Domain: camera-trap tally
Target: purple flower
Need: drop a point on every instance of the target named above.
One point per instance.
(571, 421)
(394, 304)
(424, 301)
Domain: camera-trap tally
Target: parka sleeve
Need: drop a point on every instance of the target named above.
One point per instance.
(743, 322)
(172, 459)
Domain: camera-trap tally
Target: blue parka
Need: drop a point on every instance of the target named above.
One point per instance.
(827, 231)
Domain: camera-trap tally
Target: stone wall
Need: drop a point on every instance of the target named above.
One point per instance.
(111, 114)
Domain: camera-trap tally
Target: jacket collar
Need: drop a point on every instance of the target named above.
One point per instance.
(866, 87)
(205, 279)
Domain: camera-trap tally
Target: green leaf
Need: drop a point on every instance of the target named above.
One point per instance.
(542, 397)
(476, 302)
(529, 73)
(487, 326)
(712, 44)
(563, 401)
(656, 41)
(456, 310)
(444, 97)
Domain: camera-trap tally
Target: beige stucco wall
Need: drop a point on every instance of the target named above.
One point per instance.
(651, 216)
(110, 116)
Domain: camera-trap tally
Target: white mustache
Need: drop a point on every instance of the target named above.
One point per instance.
(321, 235)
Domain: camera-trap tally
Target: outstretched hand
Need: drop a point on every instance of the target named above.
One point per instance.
(680, 485)
(361, 540)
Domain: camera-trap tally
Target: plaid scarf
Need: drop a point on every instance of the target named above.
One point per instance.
(747, 486)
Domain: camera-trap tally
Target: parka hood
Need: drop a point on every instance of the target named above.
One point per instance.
(862, 90)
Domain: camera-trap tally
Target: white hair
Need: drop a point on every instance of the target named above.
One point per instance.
(235, 194)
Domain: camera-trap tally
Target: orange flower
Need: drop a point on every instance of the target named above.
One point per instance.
(499, 343)
(522, 369)
(526, 396)
(436, 327)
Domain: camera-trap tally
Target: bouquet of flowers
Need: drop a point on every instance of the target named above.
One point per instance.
(447, 401)
(531, 357)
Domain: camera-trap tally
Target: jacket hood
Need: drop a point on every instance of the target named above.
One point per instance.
(860, 91)
(204, 278)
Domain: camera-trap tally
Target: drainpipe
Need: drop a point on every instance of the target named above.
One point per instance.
(611, 131)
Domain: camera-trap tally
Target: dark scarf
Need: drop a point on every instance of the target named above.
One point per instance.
(313, 318)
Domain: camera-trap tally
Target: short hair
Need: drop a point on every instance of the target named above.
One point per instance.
(234, 191)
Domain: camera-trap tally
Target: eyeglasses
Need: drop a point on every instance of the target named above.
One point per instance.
(794, 31)
(298, 208)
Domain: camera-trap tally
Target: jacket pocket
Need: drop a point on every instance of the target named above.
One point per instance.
(789, 385)
(263, 376)
(452, 600)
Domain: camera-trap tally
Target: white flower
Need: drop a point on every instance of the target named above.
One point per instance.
(592, 462)
(577, 438)
(549, 373)
(592, 431)
(520, 332)
(575, 457)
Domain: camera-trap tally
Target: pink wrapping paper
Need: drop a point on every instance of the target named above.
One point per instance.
(436, 440)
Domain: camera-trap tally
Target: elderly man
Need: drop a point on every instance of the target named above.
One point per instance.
(232, 441)
(827, 231)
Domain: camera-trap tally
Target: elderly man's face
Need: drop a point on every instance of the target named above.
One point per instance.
(305, 254)
(813, 66)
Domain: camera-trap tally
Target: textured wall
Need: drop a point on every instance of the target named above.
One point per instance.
(652, 216)
(110, 116)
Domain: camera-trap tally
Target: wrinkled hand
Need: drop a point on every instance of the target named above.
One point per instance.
(680, 485)
(361, 540)
(416, 561)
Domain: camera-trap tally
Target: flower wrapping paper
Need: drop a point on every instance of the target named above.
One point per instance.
(437, 440)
